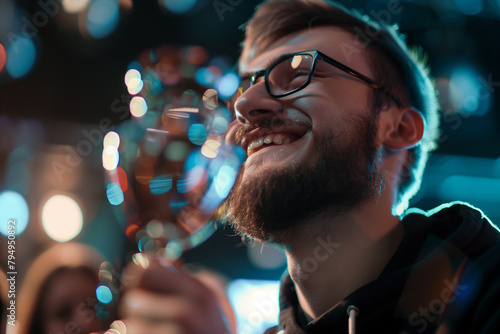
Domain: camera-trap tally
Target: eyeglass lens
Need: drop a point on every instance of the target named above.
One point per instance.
(289, 74)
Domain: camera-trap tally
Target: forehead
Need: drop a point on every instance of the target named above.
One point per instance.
(335, 42)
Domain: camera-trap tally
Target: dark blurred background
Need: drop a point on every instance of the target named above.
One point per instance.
(62, 67)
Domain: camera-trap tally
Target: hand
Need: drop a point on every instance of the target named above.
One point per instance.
(164, 300)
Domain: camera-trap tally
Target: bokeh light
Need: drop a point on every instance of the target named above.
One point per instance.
(197, 134)
(114, 193)
(227, 85)
(467, 94)
(224, 180)
(122, 178)
(469, 7)
(220, 124)
(74, 6)
(62, 218)
(173, 250)
(206, 76)
(196, 176)
(160, 184)
(21, 56)
(102, 17)
(134, 86)
(141, 260)
(296, 61)
(111, 139)
(132, 74)
(138, 106)
(110, 157)
(210, 148)
(210, 99)
(13, 206)
(103, 294)
(155, 229)
(179, 7)
(119, 326)
(265, 256)
(196, 55)
(3, 57)
(255, 303)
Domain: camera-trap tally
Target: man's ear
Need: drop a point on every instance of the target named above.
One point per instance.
(407, 129)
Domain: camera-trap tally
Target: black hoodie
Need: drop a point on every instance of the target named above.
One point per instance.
(443, 278)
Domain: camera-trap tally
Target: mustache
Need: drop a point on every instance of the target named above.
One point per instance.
(273, 124)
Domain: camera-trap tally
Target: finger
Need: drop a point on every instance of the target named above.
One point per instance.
(168, 281)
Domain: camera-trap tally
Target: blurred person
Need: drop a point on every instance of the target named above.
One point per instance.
(338, 117)
(58, 294)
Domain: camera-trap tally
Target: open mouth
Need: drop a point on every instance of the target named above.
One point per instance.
(272, 139)
(280, 132)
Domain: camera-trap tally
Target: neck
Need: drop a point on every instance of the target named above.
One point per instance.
(333, 257)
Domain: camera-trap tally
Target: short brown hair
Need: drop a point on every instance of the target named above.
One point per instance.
(398, 69)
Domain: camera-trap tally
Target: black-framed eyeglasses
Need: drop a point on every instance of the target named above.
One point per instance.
(293, 72)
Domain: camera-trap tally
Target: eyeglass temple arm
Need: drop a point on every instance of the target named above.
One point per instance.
(360, 76)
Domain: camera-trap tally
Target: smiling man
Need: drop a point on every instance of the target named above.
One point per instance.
(337, 118)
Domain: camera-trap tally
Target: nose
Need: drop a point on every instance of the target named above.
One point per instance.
(255, 104)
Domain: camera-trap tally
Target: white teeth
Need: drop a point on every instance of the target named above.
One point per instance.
(269, 139)
(255, 143)
(278, 139)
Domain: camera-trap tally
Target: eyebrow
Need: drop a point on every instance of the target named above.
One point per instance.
(246, 74)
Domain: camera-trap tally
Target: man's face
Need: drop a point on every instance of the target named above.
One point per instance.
(319, 145)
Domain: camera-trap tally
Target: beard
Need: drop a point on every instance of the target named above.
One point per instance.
(343, 175)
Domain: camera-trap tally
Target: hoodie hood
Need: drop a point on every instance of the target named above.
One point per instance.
(436, 279)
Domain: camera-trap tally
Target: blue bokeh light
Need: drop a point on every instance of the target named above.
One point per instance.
(220, 124)
(102, 17)
(197, 134)
(114, 194)
(468, 93)
(227, 85)
(103, 294)
(21, 56)
(135, 65)
(255, 303)
(160, 184)
(193, 177)
(224, 181)
(204, 76)
(13, 206)
(179, 7)
(195, 159)
(469, 7)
